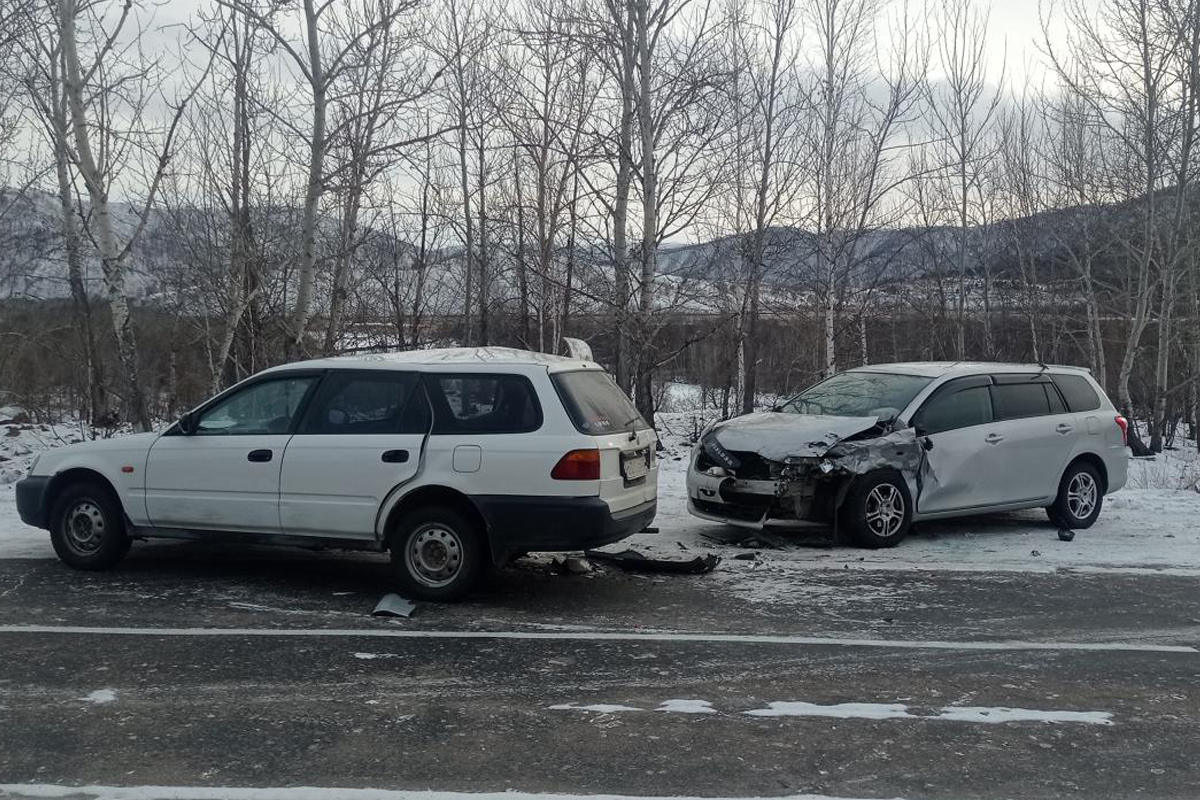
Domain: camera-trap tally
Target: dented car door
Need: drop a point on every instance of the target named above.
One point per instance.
(964, 453)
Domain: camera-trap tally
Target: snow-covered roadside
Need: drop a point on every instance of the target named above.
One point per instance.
(20, 442)
(1149, 527)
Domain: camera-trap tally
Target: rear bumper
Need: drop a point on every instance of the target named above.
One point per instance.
(31, 500)
(518, 524)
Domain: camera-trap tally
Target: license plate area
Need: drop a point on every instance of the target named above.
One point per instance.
(635, 464)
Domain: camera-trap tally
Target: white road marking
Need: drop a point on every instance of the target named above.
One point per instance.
(977, 714)
(606, 636)
(789, 708)
(48, 790)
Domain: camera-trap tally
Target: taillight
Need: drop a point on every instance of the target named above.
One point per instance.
(1123, 424)
(578, 465)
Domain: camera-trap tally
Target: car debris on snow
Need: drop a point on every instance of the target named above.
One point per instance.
(634, 561)
(393, 605)
(571, 565)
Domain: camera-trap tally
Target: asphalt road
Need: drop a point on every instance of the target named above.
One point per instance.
(193, 666)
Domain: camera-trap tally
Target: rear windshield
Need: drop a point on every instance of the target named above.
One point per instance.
(595, 403)
(858, 394)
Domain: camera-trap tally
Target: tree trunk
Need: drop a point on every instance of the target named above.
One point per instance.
(620, 217)
(522, 266)
(1162, 364)
(484, 266)
(81, 306)
(314, 187)
(649, 175)
(110, 253)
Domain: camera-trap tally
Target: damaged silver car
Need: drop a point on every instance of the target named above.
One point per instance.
(870, 450)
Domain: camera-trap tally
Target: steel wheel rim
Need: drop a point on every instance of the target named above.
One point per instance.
(84, 527)
(1081, 495)
(434, 555)
(885, 510)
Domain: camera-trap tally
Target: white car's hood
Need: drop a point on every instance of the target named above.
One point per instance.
(130, 447)
(777, 436)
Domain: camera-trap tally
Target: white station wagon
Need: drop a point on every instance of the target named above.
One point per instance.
(449, 459)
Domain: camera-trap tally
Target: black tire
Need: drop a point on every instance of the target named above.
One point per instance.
(431, 537)
(1080, 497)
(859, 509)
(87, 526)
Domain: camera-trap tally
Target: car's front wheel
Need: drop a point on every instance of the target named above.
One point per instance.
(1080, 497)
(437, 554)
(87, 527)
(877, 510)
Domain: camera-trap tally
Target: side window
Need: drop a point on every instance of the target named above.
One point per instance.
(264, 408)
(483, 404)
(360, 403)
(1017, 400)
(1078, 392)
(955, 409)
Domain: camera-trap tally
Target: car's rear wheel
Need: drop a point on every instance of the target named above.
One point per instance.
(877, 510)
(87, 527)
(437, 554)
(1080, 497)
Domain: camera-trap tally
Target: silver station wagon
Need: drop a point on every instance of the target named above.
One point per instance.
(873, 449)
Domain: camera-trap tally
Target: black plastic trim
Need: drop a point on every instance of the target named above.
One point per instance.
(520, 524)
(31, 500)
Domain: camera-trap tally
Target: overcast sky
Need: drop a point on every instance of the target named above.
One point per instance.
(1013, 22)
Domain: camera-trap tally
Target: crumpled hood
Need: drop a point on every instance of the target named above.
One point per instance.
(776, 436)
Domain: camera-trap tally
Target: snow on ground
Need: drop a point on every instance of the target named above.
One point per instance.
(1151, 526)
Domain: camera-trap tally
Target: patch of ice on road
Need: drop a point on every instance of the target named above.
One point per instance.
(101, 696)
(838, 710)
(981, 714)
(976, 714)
(373, 656)
(599, 708)
(686, 707)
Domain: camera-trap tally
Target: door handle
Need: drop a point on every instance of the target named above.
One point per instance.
(1063, 427)
(993, 438)
(259, 455)
(395, 456)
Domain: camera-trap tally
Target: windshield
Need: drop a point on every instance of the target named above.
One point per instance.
(596, 404)
(858, 394)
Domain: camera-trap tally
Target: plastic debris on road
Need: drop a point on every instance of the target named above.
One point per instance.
(393, 605)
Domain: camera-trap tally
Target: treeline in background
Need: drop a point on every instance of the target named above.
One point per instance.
(741, 194)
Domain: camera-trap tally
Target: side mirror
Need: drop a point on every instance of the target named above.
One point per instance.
(188, 423)
(927, 443)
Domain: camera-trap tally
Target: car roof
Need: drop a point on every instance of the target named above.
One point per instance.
(938, 369)
(473, 358)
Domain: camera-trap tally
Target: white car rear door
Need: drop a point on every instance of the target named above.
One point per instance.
(1038, 436)
(361, 437)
